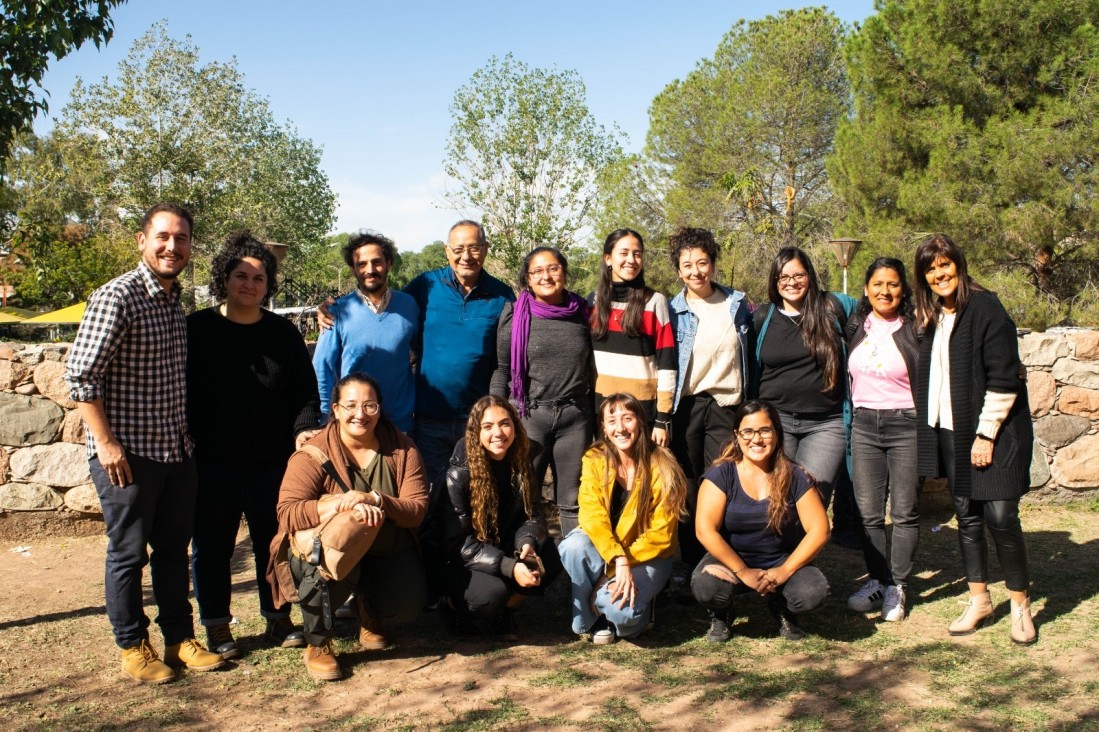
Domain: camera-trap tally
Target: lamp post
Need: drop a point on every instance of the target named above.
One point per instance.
(845, 251)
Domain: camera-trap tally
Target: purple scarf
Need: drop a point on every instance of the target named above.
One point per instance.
(525, 306)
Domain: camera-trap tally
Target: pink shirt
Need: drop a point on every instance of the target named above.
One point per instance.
(879, 377)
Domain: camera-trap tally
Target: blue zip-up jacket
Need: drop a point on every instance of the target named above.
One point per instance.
(685, 325)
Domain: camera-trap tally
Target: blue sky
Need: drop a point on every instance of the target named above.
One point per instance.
(372, 82)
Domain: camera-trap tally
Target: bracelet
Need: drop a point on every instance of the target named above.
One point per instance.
(737, 572)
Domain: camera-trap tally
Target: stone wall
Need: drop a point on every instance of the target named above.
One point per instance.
(45, 487)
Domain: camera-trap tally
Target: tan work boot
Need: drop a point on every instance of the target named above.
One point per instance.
(321, 664)
(978, 614)
(193, 655)
(141, 663)
(370, 629)
(1022, 625)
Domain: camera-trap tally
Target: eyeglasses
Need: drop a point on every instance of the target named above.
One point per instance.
(473, 249)
(748, 434)
(370, 408)
(787, 279)
(552, 270)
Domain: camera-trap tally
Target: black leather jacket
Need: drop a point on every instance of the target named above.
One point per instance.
(514, 528)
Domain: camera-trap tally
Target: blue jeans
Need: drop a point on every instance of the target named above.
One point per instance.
(883, 460)
(564, 432)
(818, 444)
(156, 510)
(224, 493)
(586, 568)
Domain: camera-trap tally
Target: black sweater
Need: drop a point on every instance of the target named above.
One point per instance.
(250, 388)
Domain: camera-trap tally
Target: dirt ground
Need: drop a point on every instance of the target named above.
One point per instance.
(59, 667)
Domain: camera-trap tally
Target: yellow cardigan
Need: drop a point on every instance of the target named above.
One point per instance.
(625, 539)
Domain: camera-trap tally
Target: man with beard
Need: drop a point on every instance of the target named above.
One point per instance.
(374, 330)
(127, 374)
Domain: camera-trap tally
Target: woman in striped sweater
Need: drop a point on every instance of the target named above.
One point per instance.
(631, 333)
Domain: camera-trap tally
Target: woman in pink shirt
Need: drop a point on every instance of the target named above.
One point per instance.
(881, 362)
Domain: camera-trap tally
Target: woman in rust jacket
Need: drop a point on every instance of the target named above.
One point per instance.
(388, 489)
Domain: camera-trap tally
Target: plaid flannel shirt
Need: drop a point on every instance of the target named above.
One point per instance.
(131, 352)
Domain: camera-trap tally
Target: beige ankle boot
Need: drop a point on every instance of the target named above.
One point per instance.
(1022, 626)
(978, 614)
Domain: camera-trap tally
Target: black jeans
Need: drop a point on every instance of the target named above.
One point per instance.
(157, 511)
(806, 590)
(564, 431)
(700, 428)
(1002, 520)
(224, 493)
(486, 595)
(393, 587)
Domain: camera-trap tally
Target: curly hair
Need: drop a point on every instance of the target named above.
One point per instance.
(365, 237)
(647, 455)
(484, 498)
(237, 246)
(781, 472)
(635, 304)
(687, 237)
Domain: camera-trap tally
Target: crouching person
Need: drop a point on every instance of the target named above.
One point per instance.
(364, 451)
(499, 552)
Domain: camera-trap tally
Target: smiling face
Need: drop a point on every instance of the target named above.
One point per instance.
(497, 432)
(942, 278)
(246, 285)
(466, 254)
(621, 428)
(165, 246)
(793, 284)
(758, 448)
(697, 271)
(546, 278)
(885, 291)
(353, 409)
(369, 265)
(626, 259)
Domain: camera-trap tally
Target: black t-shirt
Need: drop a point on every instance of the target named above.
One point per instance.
(789, 376)
(745, 525)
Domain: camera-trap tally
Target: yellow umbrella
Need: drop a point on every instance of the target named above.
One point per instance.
(65, 316)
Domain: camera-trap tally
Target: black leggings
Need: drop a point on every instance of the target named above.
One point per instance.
(486, 595)
(1001, 518)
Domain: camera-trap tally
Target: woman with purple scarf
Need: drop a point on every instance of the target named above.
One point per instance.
(545, 366)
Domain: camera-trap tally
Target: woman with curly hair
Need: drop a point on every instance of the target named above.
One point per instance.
(762, 522)
(632, 334)
(238, 353)
(498, 550)
(632, 494)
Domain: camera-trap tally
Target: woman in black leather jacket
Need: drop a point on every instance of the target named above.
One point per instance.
(497, 549)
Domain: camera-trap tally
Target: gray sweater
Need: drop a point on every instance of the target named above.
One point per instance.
(559, 356)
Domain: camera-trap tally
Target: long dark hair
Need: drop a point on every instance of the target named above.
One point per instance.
(635, 302)
(818, 316)
(928, 305)
(646, 453)
(484, 494)
(780, 473)
(906, 309)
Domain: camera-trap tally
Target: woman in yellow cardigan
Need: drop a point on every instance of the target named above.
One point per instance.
(631, 496)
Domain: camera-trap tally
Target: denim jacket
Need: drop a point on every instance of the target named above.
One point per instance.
(685, 325)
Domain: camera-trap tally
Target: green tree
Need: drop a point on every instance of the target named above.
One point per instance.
(744, 137)
(525, 152)
(979, 118)
(171, 128)
(30, 33)
(411, 264)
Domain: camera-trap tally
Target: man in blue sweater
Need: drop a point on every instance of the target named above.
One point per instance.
(374, 331)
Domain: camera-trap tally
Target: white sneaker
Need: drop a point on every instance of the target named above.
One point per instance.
(892, 608)
(868, 597)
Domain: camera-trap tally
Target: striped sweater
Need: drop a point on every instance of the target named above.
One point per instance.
(642, 365)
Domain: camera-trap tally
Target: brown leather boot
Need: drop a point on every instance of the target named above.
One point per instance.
(978, 614)
(1022, 625)
(370, 628)
(321, 664)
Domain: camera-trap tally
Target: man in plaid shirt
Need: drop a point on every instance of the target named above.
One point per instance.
(126, 373)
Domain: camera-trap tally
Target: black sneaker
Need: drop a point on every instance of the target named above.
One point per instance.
(282, 632)
(719, 628)
(220, 640)
(788, 627)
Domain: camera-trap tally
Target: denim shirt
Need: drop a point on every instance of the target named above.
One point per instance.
(685, 325)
